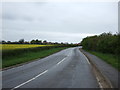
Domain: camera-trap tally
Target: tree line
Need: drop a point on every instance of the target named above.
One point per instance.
(105, 43)
(36, 41)
(22, 41)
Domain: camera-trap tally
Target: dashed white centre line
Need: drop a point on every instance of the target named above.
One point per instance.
(30, 80)
(60, 61)
(35, 76)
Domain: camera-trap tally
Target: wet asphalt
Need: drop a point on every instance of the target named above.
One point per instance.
(68, 68)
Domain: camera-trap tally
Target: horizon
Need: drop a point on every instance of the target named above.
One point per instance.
(57, 41)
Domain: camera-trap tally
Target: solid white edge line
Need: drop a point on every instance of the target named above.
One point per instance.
(60, 61)
(86, 59)
(99, 82)
(30, 80)
(96, 76)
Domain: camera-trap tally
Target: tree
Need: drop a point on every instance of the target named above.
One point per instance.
(105, 43)
(32, 41)
(21, 41)
(44, 42)
(3, 42)
(9, 42)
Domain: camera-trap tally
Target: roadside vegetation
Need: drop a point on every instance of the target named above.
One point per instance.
(109, 58)
(106, 46)
(25, 55)
(14, 53)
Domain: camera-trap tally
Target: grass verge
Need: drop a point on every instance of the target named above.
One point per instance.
(28, 56)
(109, 58)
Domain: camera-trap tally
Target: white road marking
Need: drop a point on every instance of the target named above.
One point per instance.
(70, 53)
(86, 58)
(61, 61)
(35, 76)
(96, 76)
(99, 82)
(30, 80)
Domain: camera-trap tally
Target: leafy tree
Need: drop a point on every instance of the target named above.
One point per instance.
(32, 41)
(44, 42)
(3, 42)
(21, 41)
(105, 42)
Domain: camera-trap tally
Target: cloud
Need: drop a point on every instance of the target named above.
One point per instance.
(49, 36)
(27, 18)
(9, 17)
(58, 21)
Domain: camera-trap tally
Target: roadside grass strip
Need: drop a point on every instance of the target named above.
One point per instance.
(109, 58)
(23, 56)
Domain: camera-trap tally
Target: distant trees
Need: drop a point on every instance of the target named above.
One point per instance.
(8, 42)
(105, 42)
(21, 41)
(44, 42)
(3, 42)
(35, 41)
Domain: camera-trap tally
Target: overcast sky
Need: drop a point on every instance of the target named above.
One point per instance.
(61, 22)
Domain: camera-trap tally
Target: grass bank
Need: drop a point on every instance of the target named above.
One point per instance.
(109, 58)
(10, 59)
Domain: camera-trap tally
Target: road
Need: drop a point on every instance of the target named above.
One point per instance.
(68, 68)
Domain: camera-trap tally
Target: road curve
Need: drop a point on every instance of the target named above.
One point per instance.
(68, 68)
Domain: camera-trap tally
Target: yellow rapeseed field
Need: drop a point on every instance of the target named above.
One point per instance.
(19, 46)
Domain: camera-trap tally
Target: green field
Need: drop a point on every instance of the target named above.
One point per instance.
(20, 55)
(109, 58)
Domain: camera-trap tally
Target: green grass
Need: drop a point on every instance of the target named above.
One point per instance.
(28, 56)
(109, 58)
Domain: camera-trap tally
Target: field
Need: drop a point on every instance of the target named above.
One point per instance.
(29, 56)
(20, 46)
(13, 54)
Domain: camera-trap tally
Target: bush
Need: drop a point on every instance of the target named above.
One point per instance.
(105, 43)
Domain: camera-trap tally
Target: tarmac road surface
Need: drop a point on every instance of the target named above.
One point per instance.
(68, 68)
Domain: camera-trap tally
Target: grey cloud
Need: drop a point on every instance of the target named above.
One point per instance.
(51, 36)
(29, 20)
(40, 3)
(15, 17)
(9, 16)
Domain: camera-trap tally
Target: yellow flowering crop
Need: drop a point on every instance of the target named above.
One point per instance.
(19, 46)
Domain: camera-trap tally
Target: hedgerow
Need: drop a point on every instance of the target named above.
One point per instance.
(105, 43)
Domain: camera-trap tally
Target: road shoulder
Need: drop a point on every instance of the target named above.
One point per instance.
(110, 73)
